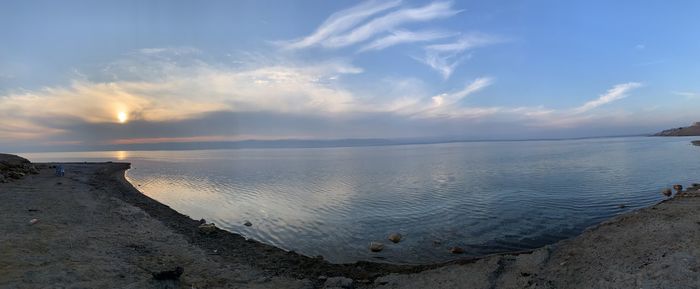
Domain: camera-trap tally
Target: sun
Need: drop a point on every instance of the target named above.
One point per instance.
(122, 117)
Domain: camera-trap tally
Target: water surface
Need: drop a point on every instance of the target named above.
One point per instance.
(486, 197)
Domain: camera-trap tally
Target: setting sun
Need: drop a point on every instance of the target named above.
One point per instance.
(122, 117)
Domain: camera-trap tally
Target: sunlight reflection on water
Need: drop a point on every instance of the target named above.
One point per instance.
(484, 196)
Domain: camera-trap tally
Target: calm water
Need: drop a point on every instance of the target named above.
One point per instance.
(483, 196)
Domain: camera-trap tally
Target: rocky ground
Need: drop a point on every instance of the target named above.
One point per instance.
(92, 229)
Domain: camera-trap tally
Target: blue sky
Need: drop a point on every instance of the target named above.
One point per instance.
(230, 70)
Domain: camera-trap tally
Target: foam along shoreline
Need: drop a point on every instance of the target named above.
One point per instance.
(94, 229)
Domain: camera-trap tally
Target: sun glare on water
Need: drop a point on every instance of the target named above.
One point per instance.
(122, 117)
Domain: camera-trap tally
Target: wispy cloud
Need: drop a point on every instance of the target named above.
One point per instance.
(444, 104)
(391, 21)
(355, 25)
(404, 36)
(340, 22)
(687, 94)
(448, 99)
(445, 57)
(616, 93)
(378, 25)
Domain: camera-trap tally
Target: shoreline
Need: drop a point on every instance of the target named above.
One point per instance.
(649, 234)
(231, 245)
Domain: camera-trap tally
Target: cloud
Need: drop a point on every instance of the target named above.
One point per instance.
(158, 90)
(364, 25)
(687, 94)
(403, 36)
(390, 21)
(447, 99)
(169, 100)
(340, 22)
(616, 93)
(444, 58)
(445, 104)
(355, 26)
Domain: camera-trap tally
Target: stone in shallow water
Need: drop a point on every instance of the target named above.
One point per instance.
(456, 250)
(247, 224)
(395, 237)
(667, 192)
(678, 188)
(376, 246)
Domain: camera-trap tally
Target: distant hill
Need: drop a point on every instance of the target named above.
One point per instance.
(693, 130)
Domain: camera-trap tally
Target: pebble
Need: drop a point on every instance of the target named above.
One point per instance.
(456, 250)
(666, 192)
(376, 246)
(247, 224)
(207, 229)
(395, 237)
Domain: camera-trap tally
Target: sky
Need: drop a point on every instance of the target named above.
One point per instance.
(89, 74)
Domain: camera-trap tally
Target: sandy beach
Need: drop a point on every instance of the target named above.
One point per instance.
(92, 229)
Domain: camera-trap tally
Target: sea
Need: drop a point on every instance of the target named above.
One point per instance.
(485, 197)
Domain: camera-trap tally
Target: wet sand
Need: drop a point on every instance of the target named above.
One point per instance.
(95, 230)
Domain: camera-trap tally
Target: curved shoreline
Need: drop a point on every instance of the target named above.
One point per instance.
(233, 246)
(122, 236)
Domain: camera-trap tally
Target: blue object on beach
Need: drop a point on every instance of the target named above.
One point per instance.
(60, 171)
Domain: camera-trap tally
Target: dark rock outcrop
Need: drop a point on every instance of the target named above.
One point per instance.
(15, 167)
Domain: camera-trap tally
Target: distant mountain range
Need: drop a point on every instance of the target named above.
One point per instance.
(693, 130)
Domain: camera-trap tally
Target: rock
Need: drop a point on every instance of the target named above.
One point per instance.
(338, 282)
(678, 188)
(247, 224)
(376, 246)
(456, 250)
(395, 237)
(15, 175)
(33, 170)
(695, 185)
(207, 229)
(666, 192)
(2, 179)
(323, 277)
(621, 206)
(202, 221)
(33, 221)
(169, 274)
